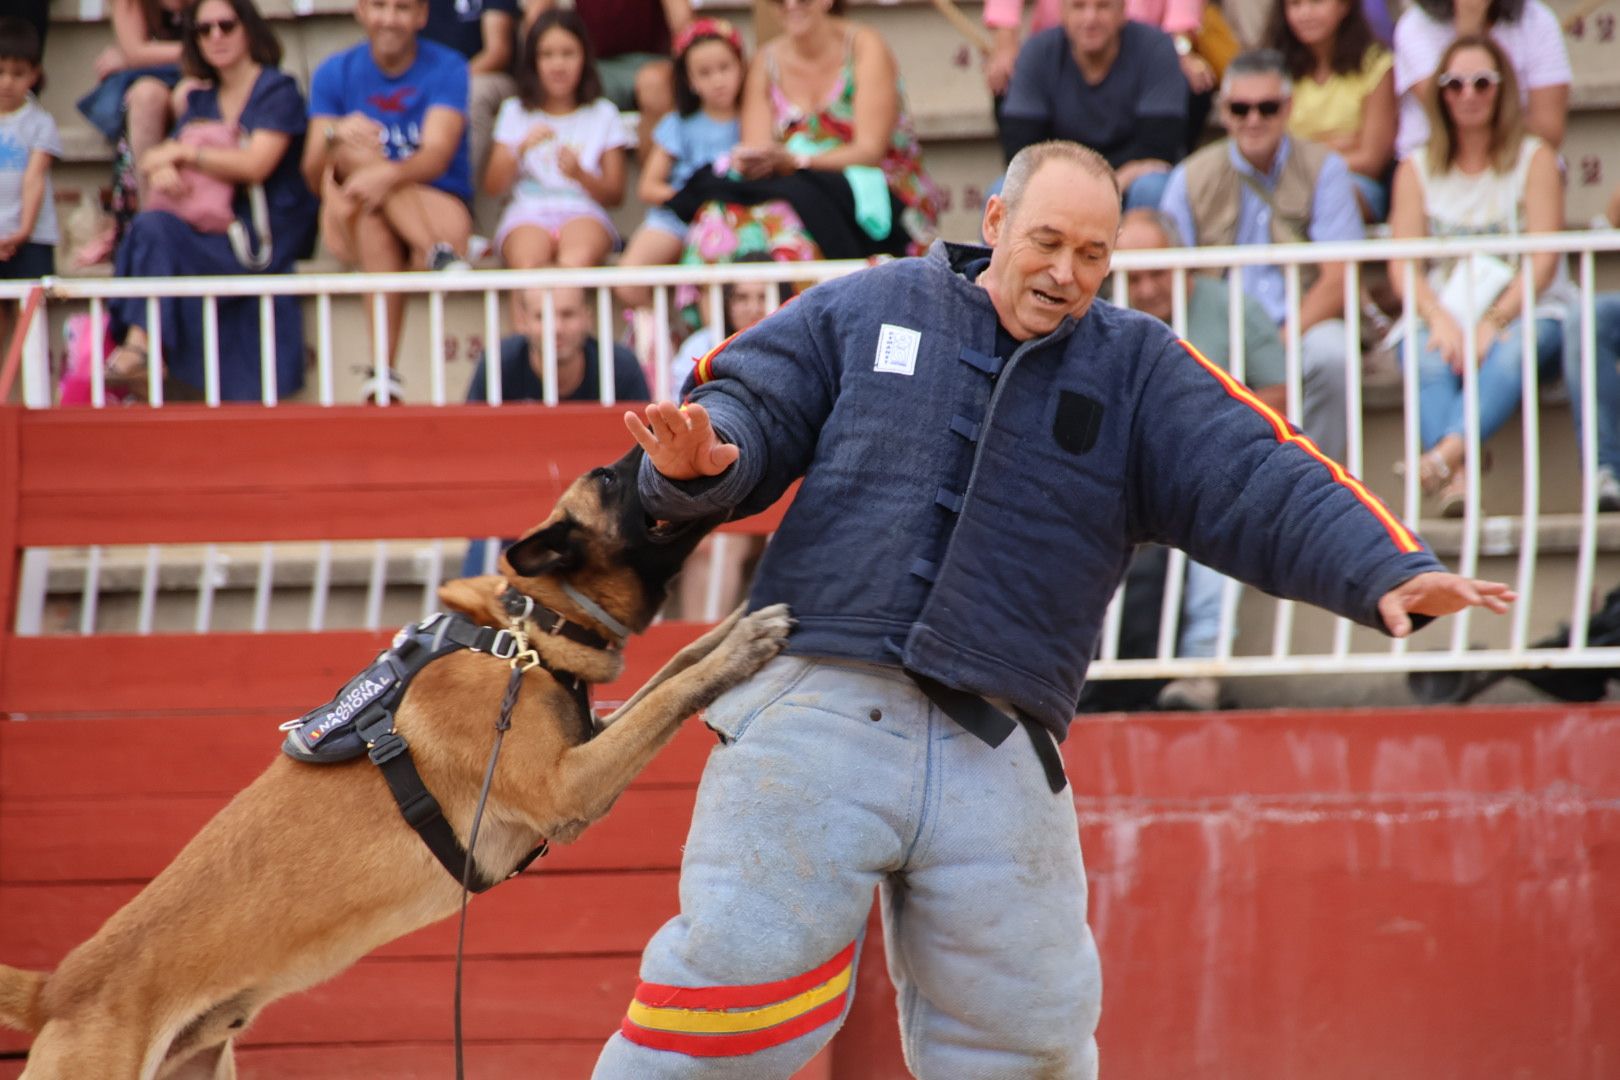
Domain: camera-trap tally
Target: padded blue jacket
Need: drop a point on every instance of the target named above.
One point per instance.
(969, 516)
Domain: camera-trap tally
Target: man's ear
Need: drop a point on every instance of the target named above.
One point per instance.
(995, 214)
(555, 549)
(474, 597)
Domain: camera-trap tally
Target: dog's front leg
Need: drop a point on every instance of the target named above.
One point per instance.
(595, 773)
(691, 654)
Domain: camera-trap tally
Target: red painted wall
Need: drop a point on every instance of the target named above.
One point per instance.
(1420, 893)
(1278, 896)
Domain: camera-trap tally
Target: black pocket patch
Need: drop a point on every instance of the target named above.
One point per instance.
(1077, 422)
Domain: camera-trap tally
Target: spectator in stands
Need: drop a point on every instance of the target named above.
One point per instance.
(632, 42)
(232, 52)
(562, 145)
(1606, 366)
(743, 303)
(1479, 174)
(578, 354)
(1259, 186)
(1527, 31)
(482, 31)
(1181, 19)
(709, 65)
(132, 105)
(1263, 370)
(1107, 83)
(522, 359)
(389, 157)
(1344, 90)
(28, 143)
(829, 164)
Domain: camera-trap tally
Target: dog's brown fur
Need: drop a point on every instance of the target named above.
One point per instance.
(311, 866)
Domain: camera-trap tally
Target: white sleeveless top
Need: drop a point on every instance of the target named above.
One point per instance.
(1488, 203)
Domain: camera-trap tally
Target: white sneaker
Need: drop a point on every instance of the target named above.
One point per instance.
(1200, 694)
(1608, 490)
(390, 385)
(444, 257)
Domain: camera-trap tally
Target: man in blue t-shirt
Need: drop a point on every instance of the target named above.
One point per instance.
(387, 150)
(1104, 82)
(482, 31)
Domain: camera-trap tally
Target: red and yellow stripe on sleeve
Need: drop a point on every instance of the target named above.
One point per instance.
(705, 363)
(1398, 533)
(728, 1021)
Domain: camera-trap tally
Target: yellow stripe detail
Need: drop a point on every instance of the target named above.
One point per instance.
(710, 1022)
(1404, 540)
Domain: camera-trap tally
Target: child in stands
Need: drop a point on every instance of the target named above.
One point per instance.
(1344, 89)
(709, 66)
(559, 147)
(28, 142)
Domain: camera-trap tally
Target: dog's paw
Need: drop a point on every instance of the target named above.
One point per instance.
(755, 640)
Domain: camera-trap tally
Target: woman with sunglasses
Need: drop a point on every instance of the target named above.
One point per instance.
(1479, 174)
(1529, 35)
(233, 52)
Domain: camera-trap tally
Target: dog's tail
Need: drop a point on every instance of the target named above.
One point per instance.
(19, 999)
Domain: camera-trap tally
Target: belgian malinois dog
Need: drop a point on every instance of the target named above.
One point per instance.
(172, 978)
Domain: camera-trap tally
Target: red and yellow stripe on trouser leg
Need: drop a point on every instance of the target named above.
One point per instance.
(728, 1021)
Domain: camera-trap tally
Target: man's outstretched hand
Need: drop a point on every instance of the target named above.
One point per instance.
(1436, 593)
(680, 441)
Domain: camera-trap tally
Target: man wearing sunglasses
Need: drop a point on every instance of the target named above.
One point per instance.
(1258, 186)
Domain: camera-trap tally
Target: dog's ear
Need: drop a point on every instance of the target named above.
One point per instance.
(478, 598)
(555, 549)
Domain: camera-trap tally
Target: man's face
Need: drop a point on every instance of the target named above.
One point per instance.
(1051, 253)
(572, 319)
(1148, 290)
(1093, 26)
(391, 25)
(1245, 108)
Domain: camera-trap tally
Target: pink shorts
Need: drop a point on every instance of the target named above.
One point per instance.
(551, 218)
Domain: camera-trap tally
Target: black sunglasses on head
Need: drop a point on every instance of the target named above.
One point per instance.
(1481, 81)
(1267, 108)
(224, 27)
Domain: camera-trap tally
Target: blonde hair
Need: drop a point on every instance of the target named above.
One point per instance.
(1507, 119)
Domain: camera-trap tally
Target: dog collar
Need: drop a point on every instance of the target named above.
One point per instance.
(519, 606)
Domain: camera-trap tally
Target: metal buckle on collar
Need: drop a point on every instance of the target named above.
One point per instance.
(504, 646)
(386, 747)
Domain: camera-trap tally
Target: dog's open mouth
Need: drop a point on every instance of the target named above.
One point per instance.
(661, 532)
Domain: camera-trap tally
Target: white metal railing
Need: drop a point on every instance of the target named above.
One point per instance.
(383, 570)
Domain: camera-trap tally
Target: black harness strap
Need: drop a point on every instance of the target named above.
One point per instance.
(421, 811)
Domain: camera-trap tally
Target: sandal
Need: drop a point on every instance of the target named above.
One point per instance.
(1433, 472)
(1451, 497)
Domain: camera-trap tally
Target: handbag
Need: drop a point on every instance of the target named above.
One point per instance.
(1491, 275)
(208, 203)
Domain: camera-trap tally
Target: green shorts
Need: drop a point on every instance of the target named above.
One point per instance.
(619, 76)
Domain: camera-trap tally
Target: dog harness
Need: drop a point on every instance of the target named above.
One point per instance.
(360, 718)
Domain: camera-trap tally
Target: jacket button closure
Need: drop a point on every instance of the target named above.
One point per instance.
(875, 715)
